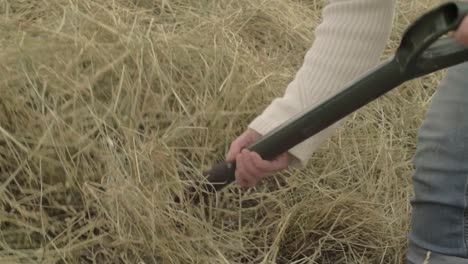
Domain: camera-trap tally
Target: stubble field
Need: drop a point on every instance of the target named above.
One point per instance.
(109, 109)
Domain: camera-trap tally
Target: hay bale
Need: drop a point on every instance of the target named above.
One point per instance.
(110, 108)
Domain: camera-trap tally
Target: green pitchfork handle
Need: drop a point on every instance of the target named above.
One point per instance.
(421, 52)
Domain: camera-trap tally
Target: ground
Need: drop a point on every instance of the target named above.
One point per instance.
(111, 108)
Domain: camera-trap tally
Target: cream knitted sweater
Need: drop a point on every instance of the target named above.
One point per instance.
(349, 41)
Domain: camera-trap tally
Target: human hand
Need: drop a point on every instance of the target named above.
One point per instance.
(250, 167)
(461, 34)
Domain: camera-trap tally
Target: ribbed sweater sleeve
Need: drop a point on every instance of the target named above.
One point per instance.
(348, 42)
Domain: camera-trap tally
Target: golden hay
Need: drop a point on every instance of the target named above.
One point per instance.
(110, 108)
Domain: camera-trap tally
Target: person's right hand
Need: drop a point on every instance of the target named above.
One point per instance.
(250, 167)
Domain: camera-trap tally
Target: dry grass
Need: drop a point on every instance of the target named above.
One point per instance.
(111, 107)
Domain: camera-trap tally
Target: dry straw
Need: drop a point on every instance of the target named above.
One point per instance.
(110, 108)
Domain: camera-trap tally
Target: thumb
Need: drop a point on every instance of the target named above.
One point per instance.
(241, 142)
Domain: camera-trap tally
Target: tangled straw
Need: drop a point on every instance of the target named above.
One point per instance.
(110, 108)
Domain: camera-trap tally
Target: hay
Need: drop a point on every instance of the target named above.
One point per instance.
(110, 108)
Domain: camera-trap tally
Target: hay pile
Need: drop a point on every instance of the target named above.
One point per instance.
(109, 108)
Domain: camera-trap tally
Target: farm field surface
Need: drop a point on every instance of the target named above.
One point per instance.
(109, 109)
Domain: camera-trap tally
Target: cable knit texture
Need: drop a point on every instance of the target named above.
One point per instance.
(349, 41)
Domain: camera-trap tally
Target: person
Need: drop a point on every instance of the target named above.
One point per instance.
(349, 41)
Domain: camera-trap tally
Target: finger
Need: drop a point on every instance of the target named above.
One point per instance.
(241, 176)
(461, 35)
(241, 181)
(234, 150)
(254, 173)
(242, 141)
(280, 163)
(245, 172)
(261, 164)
